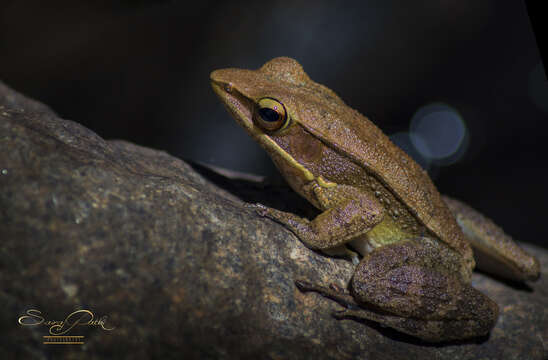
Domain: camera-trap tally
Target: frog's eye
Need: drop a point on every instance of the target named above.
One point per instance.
(271, 114)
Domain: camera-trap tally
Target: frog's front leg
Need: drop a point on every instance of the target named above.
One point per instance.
(342, 220)
(407, 287)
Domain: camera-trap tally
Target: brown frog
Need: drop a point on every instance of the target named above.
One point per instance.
(417, 260)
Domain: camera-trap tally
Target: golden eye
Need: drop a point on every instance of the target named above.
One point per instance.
(271, 114)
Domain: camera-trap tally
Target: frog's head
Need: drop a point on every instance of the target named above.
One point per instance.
(280, 107)
(261, 100)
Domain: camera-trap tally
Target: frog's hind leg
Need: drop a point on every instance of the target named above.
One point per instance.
(417, 289)
(428, 330)
(494, 251)
(353, 310)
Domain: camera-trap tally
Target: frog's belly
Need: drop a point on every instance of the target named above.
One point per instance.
(362, 245)
(384, 233)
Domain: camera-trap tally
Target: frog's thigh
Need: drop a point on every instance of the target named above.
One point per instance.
(392, 280)
(494, 251)
(336, 225)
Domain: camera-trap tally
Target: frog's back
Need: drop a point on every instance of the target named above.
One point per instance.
(367, 146)
(322, 113)
(354, 135)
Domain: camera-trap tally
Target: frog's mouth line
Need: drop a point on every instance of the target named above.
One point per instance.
(239, 106)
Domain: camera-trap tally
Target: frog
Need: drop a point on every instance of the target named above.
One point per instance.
(413, 249)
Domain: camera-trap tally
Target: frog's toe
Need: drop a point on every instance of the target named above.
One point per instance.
(333, 292)
(336, 288)
(304, 285)
(351, 311)
(260, 209)
(340, 314)
(265, 211)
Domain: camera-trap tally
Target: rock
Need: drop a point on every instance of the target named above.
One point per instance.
(169, 256)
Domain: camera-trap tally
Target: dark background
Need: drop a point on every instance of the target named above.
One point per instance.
(139, 71)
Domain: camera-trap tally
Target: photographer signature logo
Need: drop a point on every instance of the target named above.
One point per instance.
(59, 329)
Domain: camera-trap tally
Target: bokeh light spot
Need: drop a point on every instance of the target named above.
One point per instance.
(438, 133)
(403, 141)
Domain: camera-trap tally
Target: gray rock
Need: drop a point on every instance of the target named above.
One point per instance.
(179, 266)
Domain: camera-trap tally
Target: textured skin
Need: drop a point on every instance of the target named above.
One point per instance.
(422, 296)
(494, 250)
(417, 263)
(434, 293)
(344, 129)
(352, 217)
(172, 256)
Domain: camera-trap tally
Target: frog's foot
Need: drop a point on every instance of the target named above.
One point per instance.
(280, 216)
(428, 330)
(359, 314)
(257, 207)
(354, 311)
(333, 292)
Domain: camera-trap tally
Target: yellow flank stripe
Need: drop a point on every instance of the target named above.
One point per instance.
(325, 183)
(306, 173)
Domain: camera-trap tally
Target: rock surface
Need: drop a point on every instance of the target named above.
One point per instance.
(179, 266)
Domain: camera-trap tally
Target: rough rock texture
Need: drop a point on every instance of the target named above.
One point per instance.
(178, 264)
